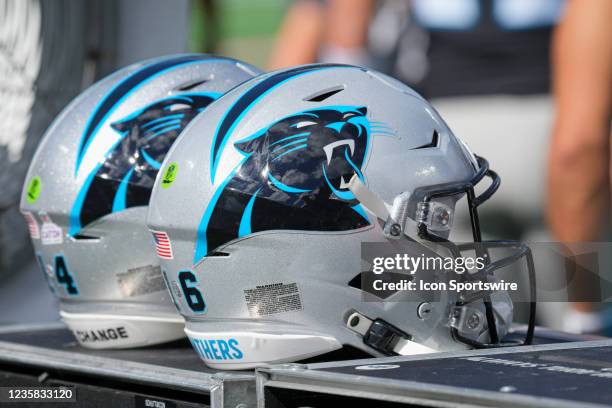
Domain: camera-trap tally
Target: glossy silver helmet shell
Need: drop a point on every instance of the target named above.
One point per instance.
(88, 188)
(269, 231)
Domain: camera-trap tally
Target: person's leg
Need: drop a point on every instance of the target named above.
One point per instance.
(300, 36)
(578, 201)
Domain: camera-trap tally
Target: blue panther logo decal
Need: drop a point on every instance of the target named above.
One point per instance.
(294, 176)
(125, 178)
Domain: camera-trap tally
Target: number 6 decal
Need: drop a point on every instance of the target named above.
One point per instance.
(193, 296)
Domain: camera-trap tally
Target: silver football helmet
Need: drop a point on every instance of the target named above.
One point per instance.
(268, 209)
(88, 188)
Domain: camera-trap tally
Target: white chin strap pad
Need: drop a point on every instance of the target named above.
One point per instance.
(406, 347)
(368, 199)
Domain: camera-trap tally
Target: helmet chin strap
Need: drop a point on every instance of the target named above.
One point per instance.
(369, 199)
(384, 337)
(379, 334)
(394, 216)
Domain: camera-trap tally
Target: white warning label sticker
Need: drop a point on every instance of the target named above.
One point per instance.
(141, 281)
(273, 298)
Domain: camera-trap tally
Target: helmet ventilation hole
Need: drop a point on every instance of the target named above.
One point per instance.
(434, 142)
(356, 281)
(190, 85)
(83, 237)
(218, 254)
(322, 95)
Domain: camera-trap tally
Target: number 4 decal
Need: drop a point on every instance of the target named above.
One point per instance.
(64, 276)
(193, 296)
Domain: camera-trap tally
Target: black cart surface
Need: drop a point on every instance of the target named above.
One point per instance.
(165, 376)
(172, 376)
(576, 374)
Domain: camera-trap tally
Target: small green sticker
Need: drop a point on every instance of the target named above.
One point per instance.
(169, 175)
(33, 190)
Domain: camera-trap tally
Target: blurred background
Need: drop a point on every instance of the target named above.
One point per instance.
(487, 65)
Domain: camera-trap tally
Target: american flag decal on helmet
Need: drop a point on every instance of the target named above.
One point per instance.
(163, 247)
(32, 225)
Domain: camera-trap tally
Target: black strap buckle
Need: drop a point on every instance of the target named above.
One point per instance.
(383, 337)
